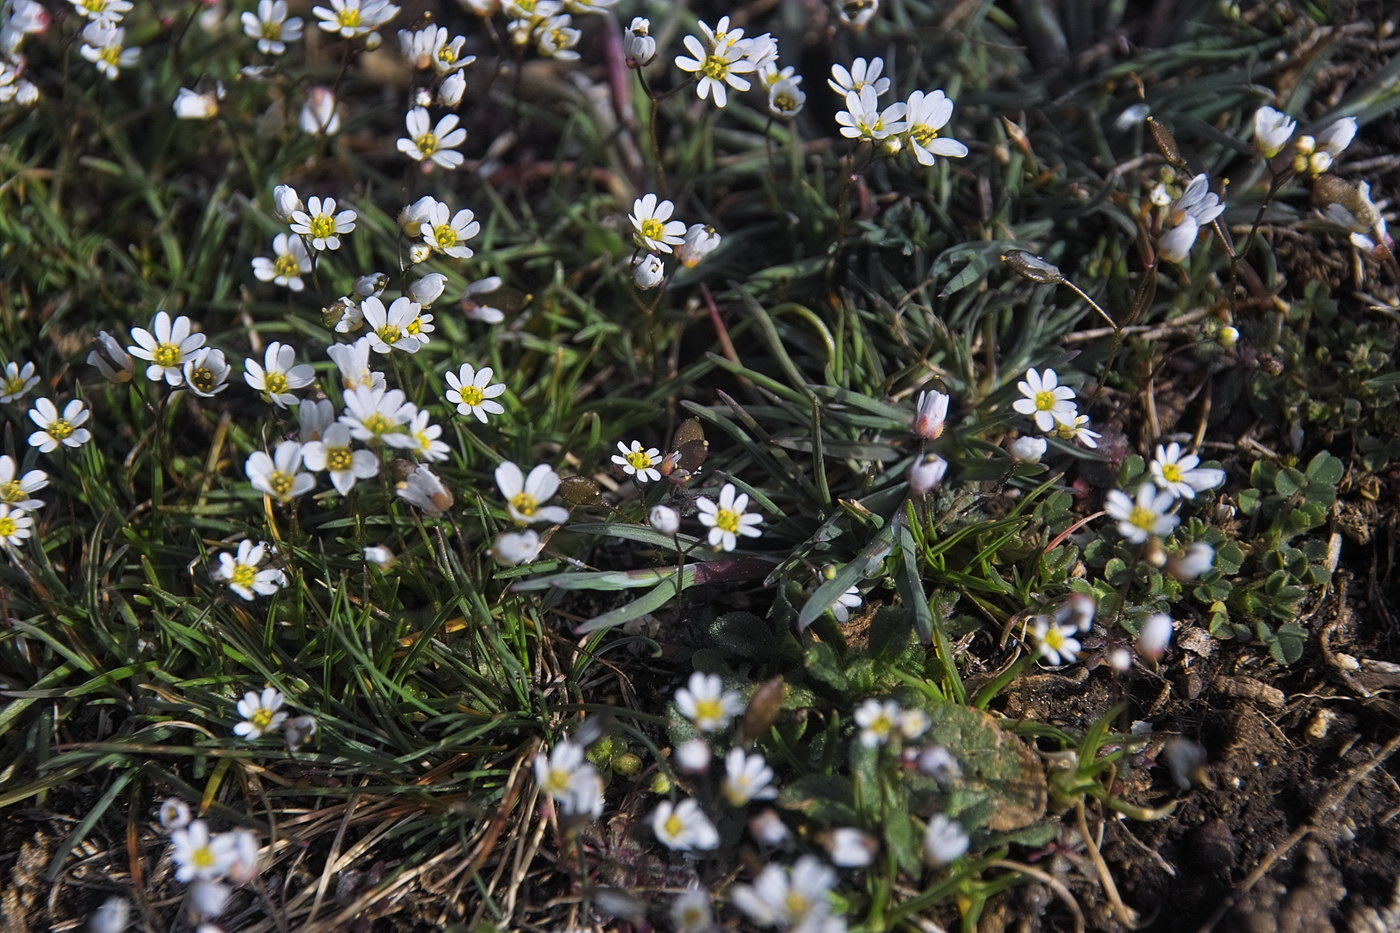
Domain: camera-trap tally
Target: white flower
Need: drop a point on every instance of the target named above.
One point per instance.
(768, 829)
(197, 856)
(110, 358)
(472, 392)
(413, 216)
(693, 756)
(727, 519)
(1315, 155)
(480, 312)
(322, 224)
(438, 143)
(556, 38)
(271, 27)
(244, 867)
(706, 703)
(166, 346)
(17, 381)
(944, 840)
(206, 372)
(451, 90)
(913, 723)
(102, 45)
(173, 814)
(926, 115)
(1071, 426)
(242, 574)
(863, 73)
(1196, 207)
(320, 114)
(1143, 517)
(314, 416)
(517, 547)
(1179, 474)
(930, 414)
(1027, 449)
(210, 898)
(878, 721)
(848, 847)
(332, 453)
(17, 491)
(1079, 611)
(585, 797)
(285, 203)
(1043, 397)
(55, 428)
(721, 65)
(864, 119)
(1056, 643)
(423, 490)
(691, 912)
(113, 916)
(1176, 243)
(352, 359)
(847, 601)
(1196, 560)
(424, 436)
(290, 261)
(1154, 636)
(525, 496)
(638, 461)
(1272, 131)
(683, 826)
(389, 327)
(448, 233)
(648, 271)
(380, 556)
(664, 519)
(558, 771)
(192, 105)
(377, 414)
(370, 285)
(15, 526)
(746, 778)
(791, 899)
(786, 99)
(638, 45)
(700, 241)
(653, 229)
(279, 475)
(351, 18)
(857, 13)
(262, 713)
(926, 473)
(112, 10)
(278, 376)
(938, 763)
(427, 289)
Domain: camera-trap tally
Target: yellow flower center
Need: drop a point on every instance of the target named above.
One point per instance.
(639, 460)
(652, 229)
(203, 857)
(727, 520)
(274, 383)
(795, 904)
(390, 334)
(14, 386)
(922, 134)
(59, 429)
(674, 827)
(784, 103)
(1143, 518)
(349, 18)
(203, 380)
(415, 326)
(558, 781)
(244, 575)
(1171, 472)
(1045, 401)
(338, 458)
(882, 725)
(286, 266)
(447, 55)
(445, 236)
(471, 396)
(261, 719)
(525, 504)
(708, 710)
(166, 354)
(322, 226)
(715, 68)
(424, 441)
(112, 54)
(8, 526)
(427, 144)
(11, 491)
(272, 31)
(377, 424)
(280, 483)
(94, 6)
(1054, 638)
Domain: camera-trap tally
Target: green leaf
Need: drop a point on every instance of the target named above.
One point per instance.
(1325, 468)
(890, 629)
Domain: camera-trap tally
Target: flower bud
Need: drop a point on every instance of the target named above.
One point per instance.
(637, 43)
(191, 105)
(428, 289)
(648, 271)
(298, 731)
(285, 202)
(380, 556)
(1227, 337)
(926, 474)
(111, 358)
(516, 547)
(665, 519)
(1154, 635)
(1196, 560)
(319, 115)
(370, 286)
(419, 252)
(1027, 449)
(693, 756)
(699, 242)
(453, 86)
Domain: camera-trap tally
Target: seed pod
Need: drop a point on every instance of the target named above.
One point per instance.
(1166, 142)
(1030, 266)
